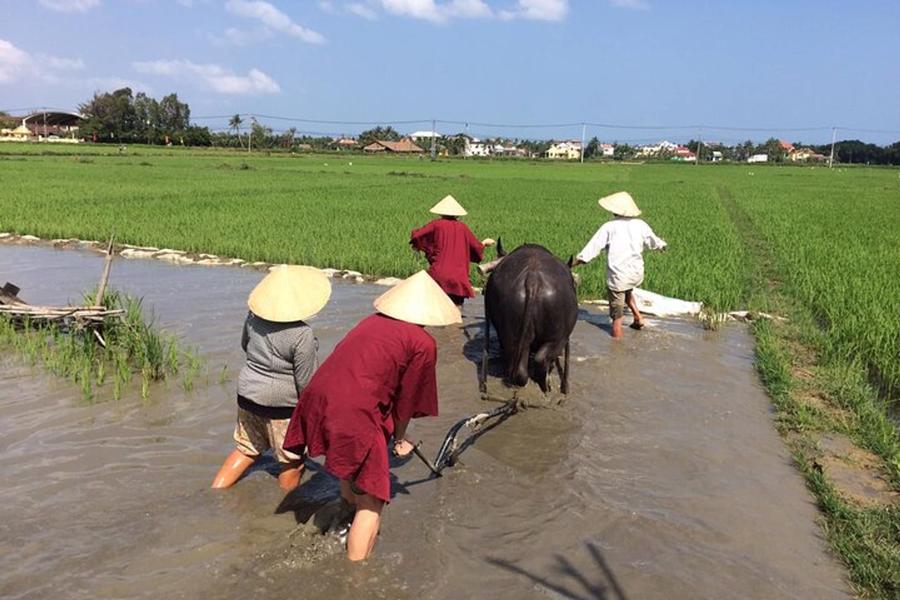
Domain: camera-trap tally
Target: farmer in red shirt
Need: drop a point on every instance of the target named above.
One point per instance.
(381, 375)
(450, 246)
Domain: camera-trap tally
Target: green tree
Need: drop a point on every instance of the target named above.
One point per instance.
(592, 150)
(234, 124)
(623, 152)
(387, 133)
(111, 116)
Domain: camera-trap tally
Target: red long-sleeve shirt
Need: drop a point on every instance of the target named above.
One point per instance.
(449, 246)
(384, 369)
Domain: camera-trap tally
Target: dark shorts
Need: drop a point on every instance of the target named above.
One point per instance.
(457, 300)
(616, 303)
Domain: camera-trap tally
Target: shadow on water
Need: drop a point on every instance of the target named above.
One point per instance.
(573, 583)
(594, 319)
(323, 487)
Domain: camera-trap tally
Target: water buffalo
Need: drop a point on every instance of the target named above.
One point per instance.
(530, 300)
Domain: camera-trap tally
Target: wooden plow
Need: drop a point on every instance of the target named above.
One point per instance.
(68, 318)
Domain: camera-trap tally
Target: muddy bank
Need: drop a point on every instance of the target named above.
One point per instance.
(660, 477)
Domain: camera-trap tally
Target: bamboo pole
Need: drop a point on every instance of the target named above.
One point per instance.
(104, 278)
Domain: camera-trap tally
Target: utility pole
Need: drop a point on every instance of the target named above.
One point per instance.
(433, 140)
(833, 136)
(699, 146)
(583, 130)
(250, 134)
(466, 143)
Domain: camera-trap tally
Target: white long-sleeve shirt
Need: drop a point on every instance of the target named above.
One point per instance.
(624, 239)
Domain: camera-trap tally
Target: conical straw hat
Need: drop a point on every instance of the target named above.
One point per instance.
(449, 207)
(620, 203)
(290, 293)
(418, 299)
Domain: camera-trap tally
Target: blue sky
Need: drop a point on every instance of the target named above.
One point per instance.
(765, 64)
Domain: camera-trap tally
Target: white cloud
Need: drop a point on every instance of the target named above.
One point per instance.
(242, 37)
(17, 64)
(441, 11)
(362, 10)
(538, 10)
(61, 64)
(632, 4)
(215, 77)
(13, 61)
(437, 12)
(273, 19)
(108, 84)
(70, 6)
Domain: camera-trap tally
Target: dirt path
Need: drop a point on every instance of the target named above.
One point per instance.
(661, 477)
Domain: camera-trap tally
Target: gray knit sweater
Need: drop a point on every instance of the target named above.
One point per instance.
(281, 358)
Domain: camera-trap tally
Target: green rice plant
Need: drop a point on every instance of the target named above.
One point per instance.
(134, 344)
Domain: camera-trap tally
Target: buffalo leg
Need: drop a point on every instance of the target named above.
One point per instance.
(564, 376)
(482, 382)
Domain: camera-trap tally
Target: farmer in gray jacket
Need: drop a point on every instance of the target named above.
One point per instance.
(281, 358)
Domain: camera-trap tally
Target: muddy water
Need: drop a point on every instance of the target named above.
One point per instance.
(660, 477)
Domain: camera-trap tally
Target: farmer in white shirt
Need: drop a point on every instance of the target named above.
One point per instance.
(624, 239)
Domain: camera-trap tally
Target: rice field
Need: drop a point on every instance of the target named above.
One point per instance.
(819, 247)
(831, 235)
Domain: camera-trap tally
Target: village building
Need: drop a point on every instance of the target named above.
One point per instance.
(663, 147)
(758, 158)
(786, 146)
(805, 155)
(684, 154)
(607, 150)
(404, 146)
(424, 137)
(44, 126)
(564, 151)
(346, 143)
(475, 147)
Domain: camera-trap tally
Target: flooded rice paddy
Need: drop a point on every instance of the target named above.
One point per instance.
(661, 476)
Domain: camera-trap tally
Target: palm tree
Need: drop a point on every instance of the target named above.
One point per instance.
(289, 136)
(234, 124)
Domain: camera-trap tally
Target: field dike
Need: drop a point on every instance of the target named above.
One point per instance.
(651, 304)
(833, 421)
(179, 257)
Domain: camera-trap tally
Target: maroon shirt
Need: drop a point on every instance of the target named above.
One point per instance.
(383, 369)
(449, 246)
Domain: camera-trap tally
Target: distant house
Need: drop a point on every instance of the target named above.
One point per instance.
(564, 151)
(304, 147)
(475, 147)
(684, 154)
(424, 136)
(20, 133)
(404, 146)
(758, 158)
(805, 155)
(607, 150)
(346, 142)
(664, 146)
(716, 156)
(786, 146)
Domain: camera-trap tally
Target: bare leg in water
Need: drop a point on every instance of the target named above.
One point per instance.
(632, 304)
(232, 469)
(366, 522)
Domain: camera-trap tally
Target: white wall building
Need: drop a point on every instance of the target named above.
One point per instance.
(424, 136)
(565, 151)
(655, 149)
(758, 158)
